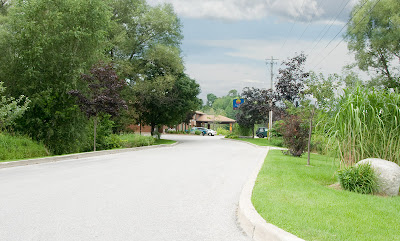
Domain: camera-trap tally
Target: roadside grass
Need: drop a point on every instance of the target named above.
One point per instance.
(275, 142)
(164, 142)
(16, 148)
(298, 199)
(19, 147)
(135, 140)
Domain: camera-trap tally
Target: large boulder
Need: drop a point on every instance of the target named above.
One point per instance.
(388, 174)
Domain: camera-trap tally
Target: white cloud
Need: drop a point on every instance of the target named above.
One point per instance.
(220, 78)
(298, 10)
(260, 50)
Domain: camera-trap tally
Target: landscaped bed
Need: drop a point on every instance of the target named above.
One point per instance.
(300, 200)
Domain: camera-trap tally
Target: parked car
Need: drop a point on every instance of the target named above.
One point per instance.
(201, 129)
(262, 132)
(211, 132)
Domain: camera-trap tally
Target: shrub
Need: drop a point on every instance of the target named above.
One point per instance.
(197, 132)
(231, 136)
(223, 131)
(360, 179)
(295, 135)
(277, 128)
(134, 140)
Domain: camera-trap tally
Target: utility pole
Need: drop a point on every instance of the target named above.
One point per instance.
(271, 62)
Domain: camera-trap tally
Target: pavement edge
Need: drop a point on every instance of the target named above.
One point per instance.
(77, 156)
(249, 220)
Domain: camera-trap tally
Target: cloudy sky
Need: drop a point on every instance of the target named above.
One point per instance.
(227, 42)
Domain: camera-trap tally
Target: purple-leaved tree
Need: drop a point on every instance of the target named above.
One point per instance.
(102, 95)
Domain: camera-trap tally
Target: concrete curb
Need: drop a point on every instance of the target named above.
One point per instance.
(250, 221)
(77, 156)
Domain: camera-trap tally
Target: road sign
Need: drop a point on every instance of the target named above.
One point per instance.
(237, 103)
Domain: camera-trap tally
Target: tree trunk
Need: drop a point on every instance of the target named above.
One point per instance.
(94, 132)
(152, 129)
(309, 136)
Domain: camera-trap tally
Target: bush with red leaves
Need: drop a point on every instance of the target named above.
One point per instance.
(295, 135)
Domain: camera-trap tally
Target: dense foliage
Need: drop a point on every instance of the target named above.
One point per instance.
(47, 45)
(366, 124)
(373, 35)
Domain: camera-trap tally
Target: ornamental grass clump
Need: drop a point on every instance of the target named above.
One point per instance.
(367, 124)
(360, 179)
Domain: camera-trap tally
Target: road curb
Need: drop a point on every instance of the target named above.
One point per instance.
(77, 156)
(249, 220)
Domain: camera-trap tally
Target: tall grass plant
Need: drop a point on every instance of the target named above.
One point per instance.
(367, 124)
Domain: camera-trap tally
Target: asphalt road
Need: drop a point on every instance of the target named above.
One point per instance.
(186, 192)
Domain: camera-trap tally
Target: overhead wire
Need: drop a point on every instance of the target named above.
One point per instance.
(291, 29)
(330, 26)
(349, 31)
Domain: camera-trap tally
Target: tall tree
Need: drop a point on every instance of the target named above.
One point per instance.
(103, 95)
(373, 35)
(290, 79)
(47, 43)
(254, 109)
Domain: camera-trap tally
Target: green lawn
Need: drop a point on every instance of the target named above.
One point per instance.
(298, 199)
(276, 142)
(164, 141)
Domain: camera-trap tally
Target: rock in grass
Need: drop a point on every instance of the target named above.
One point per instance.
(388, 174)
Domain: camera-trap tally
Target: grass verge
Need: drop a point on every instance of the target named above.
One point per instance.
(298, 199)
(15, 148)
(275, 142)
(19, 147)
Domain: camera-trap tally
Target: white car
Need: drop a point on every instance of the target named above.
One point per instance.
(211, 132)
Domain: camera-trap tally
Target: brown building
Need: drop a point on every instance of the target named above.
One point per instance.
(201, 119)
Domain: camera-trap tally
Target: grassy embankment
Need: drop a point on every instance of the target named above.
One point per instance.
(299, 199)
(14, 148)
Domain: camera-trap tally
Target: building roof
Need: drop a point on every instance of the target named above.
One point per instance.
(213, 118)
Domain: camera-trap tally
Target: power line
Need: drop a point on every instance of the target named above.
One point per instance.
(333, 20)
(349, 31)
(348, 22)
(291, 29)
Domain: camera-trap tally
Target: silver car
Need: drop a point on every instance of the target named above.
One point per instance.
(211, 132)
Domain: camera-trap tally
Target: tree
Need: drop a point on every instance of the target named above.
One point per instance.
(373, 35)
(11, 108)
(166, 100)
(45, 45)
(211, 98)
(290, 79)
(254, 109)
(103, 95)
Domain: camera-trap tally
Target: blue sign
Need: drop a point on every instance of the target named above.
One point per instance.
(237, 103)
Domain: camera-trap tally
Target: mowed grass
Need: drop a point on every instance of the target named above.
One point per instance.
(298, 199)
(164, 142)
(19, 147)
(275, 142)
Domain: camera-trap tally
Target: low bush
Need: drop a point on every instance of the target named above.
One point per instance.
(20, 147)
(360, 179)
(197, 132)
(133, 140)
(295, 135)
(231, 136)
(223, 131)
